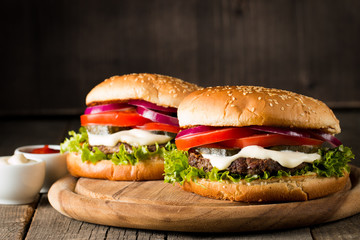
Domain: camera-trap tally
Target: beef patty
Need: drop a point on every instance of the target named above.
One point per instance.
(243, 166)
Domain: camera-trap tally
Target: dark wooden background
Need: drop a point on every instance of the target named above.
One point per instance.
(54, 52)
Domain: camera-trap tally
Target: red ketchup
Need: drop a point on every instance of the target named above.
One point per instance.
(44, 150)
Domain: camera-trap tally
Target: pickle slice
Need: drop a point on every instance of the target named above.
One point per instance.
(218, 151)
(104, 129)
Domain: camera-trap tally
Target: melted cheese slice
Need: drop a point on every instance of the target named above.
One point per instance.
(286, 158)
(135, 137)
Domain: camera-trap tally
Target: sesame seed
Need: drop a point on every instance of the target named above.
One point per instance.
(282, 108)
(259, 98)
(270, 104)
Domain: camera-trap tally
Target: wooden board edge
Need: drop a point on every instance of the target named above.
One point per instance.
(349, 204)
(65, 185)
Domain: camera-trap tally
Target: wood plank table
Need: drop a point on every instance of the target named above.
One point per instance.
(40, 221)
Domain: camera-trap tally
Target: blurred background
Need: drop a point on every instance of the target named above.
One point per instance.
(55, 52)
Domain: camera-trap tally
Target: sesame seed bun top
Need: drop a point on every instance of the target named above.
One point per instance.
(159, 89)
(250, 105)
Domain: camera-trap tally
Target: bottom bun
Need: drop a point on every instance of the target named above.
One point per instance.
(295, 188)
(152, 169)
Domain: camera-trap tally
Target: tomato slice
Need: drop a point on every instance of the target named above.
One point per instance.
(203, 138)
(114, 118)
(152, 126)
(267, 140)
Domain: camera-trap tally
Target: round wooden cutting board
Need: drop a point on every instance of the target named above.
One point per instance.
(161, 206)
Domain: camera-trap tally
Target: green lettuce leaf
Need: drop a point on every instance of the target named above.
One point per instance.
(78, 142)
(75, 142)
(333, 162)
(140, 153)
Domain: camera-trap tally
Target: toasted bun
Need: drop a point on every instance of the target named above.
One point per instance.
(248, 105)
(296, 188)
(152, 169)
(159, 89)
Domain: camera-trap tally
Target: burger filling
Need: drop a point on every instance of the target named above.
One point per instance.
(124, 133)
(247, 153)
(108, 139)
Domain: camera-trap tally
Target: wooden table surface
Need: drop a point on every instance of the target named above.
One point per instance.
(40, 221)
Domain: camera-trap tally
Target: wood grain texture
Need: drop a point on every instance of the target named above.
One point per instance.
(15, 220)
(346, 229)
(49, 224)
(159, 206)
(310, 47)
(31, 131)
(295, 234)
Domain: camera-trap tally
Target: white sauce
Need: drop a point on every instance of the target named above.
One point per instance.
(17, 159)
(135, 137)
(286, 158)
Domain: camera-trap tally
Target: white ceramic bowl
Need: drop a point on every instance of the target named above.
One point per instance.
(55, 163)
(19, 184)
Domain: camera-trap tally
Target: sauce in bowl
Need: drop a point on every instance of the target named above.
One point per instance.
(16, 159)
(44, 150)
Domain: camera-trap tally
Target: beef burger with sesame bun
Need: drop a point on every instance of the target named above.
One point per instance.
(255, 144)
(129, 124)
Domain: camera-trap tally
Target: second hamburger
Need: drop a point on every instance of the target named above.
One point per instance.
(129, 123)
(255, 144)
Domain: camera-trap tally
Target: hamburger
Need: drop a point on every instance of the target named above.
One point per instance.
(256, 144)
(129, 123)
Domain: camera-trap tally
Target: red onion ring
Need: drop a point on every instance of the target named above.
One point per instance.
(106, 107)
(317, 134)
(283, 131)
(157, 117)
(326, 137)
(149, 105)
